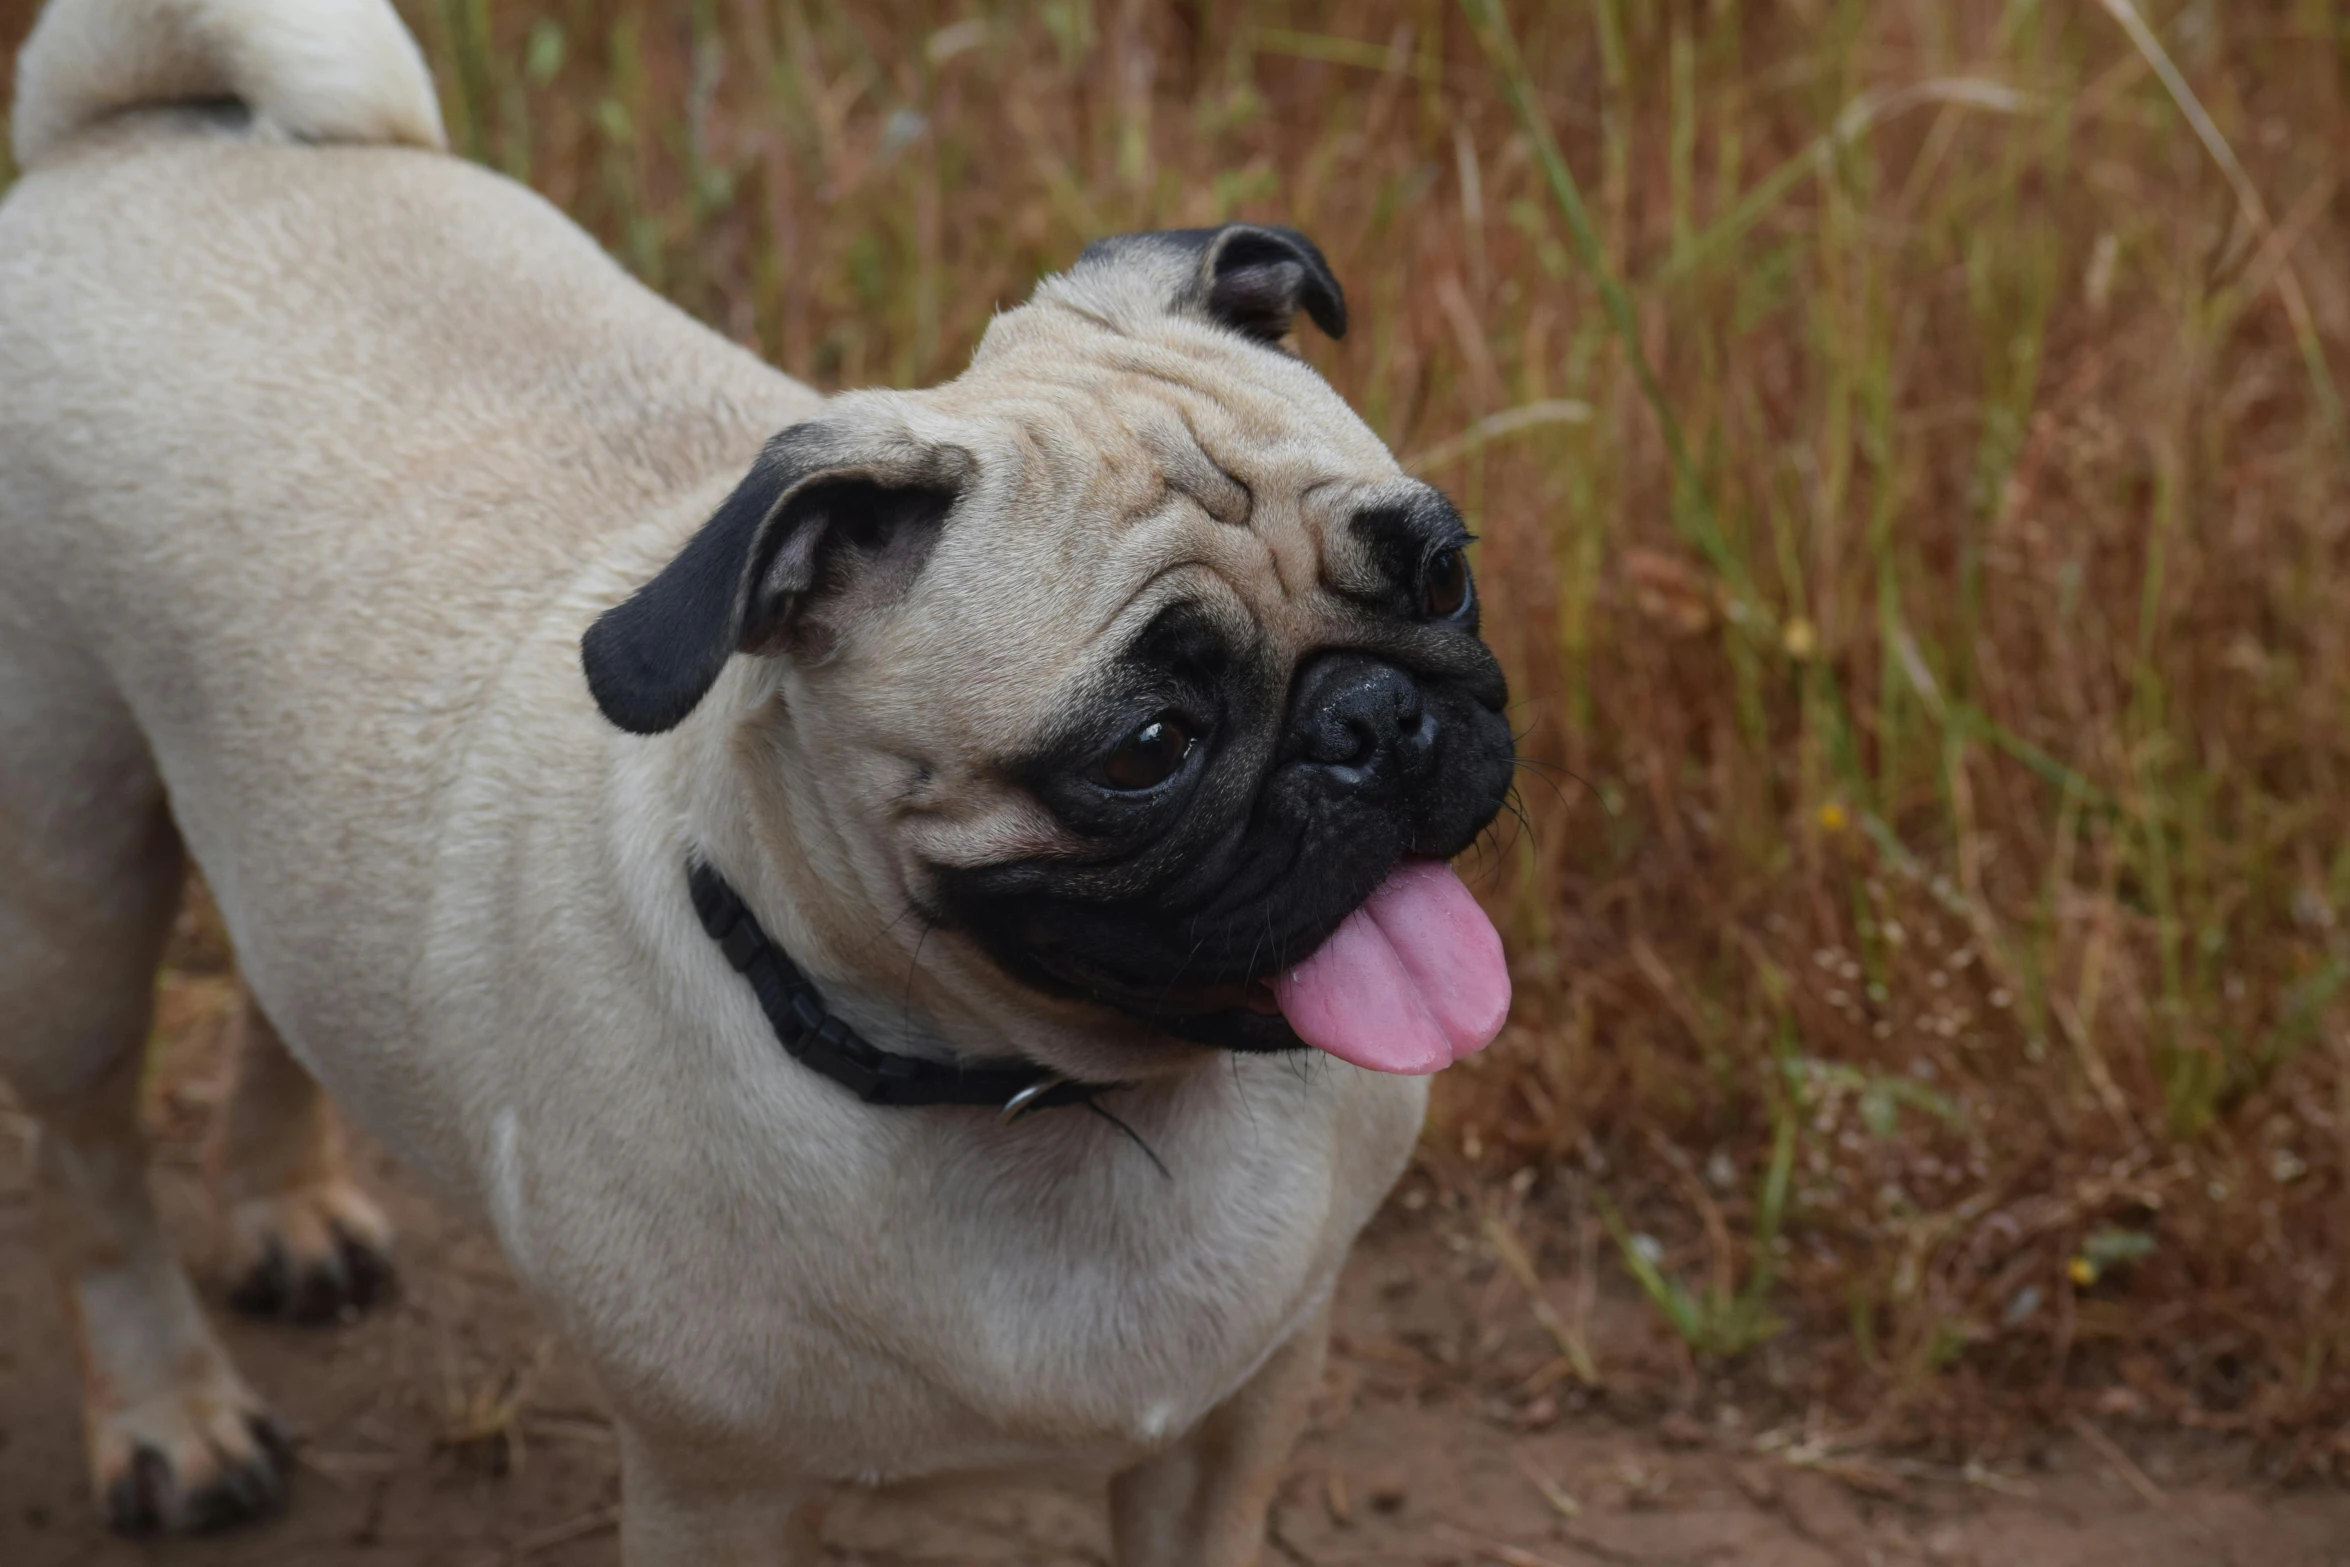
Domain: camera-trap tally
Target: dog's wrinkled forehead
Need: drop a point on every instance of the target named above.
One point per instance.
(1156, 369)
(1144, 414)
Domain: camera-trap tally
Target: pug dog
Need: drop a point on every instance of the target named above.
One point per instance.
(920, 920)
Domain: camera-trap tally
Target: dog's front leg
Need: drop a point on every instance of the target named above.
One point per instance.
(305, 1243)
(686, 1507)
(1203, 1502)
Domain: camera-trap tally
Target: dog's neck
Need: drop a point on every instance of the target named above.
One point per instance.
(811, 1035)
(733, 783)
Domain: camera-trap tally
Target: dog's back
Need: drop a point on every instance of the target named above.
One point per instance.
(303, 424)
(306, 429)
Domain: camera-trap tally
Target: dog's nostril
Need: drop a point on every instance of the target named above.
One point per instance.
(1419, 736)
(1355, 712)
(1342, 740)
(1410, 713)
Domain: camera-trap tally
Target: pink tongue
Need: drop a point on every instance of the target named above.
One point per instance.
(1413, 981)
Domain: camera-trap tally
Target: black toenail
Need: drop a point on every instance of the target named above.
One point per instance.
(134, 1502)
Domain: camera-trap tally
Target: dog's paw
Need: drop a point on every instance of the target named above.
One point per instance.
(318, 1253)
(206, 1456)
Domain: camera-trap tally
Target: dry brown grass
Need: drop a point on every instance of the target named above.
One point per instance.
(1914, 496)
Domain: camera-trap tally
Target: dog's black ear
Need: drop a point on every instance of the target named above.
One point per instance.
(1251, 277)
(821, 497)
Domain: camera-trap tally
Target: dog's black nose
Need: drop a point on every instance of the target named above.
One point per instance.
(1362, 719)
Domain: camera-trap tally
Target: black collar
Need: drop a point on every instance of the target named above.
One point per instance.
(816, 1039)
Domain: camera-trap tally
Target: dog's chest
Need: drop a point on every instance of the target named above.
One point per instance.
(1116, 1326)
(989, 1297)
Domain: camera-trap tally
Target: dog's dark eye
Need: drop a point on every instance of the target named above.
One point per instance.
(1149, 756)
(1444, 584)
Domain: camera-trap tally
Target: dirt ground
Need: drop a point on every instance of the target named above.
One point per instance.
(445, 1429)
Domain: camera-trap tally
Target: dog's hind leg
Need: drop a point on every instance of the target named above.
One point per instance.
(90, 874)
(1204, 1501)
(305, 1243)
(176, 1440)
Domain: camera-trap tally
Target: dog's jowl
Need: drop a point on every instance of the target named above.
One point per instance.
(919, 919)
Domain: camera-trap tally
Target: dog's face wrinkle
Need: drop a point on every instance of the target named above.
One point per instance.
(1189, 462)
(1193, 471)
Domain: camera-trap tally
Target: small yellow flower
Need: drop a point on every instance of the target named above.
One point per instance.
(1799, 638)
(2083, 1271)
(1833, 818)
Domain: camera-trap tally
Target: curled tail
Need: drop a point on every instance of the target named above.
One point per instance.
(310, 70)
